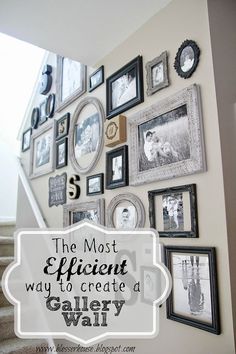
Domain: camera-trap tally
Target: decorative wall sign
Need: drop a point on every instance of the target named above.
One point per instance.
(57, 190)
(157, 74)
(187, 59)
(61, 153)
(117, 174)
(46, 80)
(26, 138)
(115, 131)
(95, 184)
(71, 81)
(74, 189)
(124, 88)
(35, 118)
(62, 126)
(96, 79)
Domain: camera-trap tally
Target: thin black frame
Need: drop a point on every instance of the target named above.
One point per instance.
(137, 64)
(35, 118)
(101, 180)
(196, 51)
(91, 88)
(211, 253)
(64, 117)
(192, 190)
(22, 142)
(123, 151)
(59, 142)
(42, 118)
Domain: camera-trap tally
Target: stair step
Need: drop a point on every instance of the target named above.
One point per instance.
(7, 323)
(6, 246)
(21, 346)
(7, 228)
(6, 314)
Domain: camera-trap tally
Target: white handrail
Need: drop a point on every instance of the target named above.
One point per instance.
(34, 205)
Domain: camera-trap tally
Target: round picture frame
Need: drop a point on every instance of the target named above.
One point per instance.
(35, 118)
(50, 105)
(187, 58)
(130, 198)
(97, 104)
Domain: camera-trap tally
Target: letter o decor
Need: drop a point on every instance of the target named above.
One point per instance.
(72, 134)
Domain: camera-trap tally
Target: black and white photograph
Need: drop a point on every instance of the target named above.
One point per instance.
(187, 59)
(193, 299)
(164, 140)
(95, 184)
(43, 149)
(62, 127)
(42, 112)
(96, 79)
(26, 138)
(117, 168)
(126, 217)
(157, 73)
(173, 215)
(61, 153)
(91, 215)
(149, 281)
(125, 88)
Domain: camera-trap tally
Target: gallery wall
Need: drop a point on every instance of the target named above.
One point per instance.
(180, 20)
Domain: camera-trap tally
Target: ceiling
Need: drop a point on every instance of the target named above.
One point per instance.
(84, 30)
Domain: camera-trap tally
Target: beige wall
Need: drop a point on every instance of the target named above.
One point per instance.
(182, 19)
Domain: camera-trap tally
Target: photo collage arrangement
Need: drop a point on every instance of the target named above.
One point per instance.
(165, 142)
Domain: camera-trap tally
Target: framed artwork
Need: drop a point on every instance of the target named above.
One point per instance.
(42, 112)
(149, 290)
(75, 212)
(166, 139)
(96, 79)
(173, 211)
(95, 184)
(115, 131)
(125, 211)
(42, 150)
(35, 118)
(71, 81)
(26, 138)
(194, 296)
(50, 105)
(187, 59)
(46, 80)
(57, 190)
(124, 88)
(61, 153)
(62, 126)
(86, 134)
(157, 74)
(117, 174)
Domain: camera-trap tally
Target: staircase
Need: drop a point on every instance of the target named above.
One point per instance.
(9, 343)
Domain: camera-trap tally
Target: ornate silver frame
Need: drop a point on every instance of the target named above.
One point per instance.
(98, 204)
(189, 96)
(129, 197)
(149, 65)
(81, 105)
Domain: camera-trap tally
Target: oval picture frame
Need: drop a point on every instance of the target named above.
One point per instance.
(97, 104)
(131, 198)
(178, 65)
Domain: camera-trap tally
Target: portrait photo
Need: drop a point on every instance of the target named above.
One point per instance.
(149, 290)
(117, 167)
(26, 138)
(95, 184)
(87, 136)
(43, 149)
(125, 217)
(123, 89)
(173, 215)
(187, 59)
(91, 215)
(61, 153)
(96, 79)
(157, 73)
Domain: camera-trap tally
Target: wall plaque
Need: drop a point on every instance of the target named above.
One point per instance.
(57, 190)
(115, 131)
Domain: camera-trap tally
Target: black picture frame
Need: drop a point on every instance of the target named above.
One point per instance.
(193, 51)
(42, 112)
(100, 81)
(192, 190)
(214, 325)
(58, 143)
(50, 105)
(35, 118)
(65, 118)
(135, 69)
(27, 147)
(112, 183)
(100, 176)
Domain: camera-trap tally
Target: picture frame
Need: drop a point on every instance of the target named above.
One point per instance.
(61, 153)
(157, 73)
(26, 139)
(92, 210)
(71, 81)
(96, 78)
(117, 169)
(194, 297)
(166, 139)
(62, 126)
(42, 150)
(95, 184)
(149, 290)
(46, 108)
(86, 134)
(124, 88)
(173, 211)
(35, 118)
(187, 58)
(125, 211)
(42, 112)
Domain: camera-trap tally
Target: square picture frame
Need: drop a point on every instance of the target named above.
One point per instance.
(194, 297)
(157, 73)
(96, 78)
(173, 211)
(95, 184)
(166, 139)
(61, 153)
(26, 139)
(71, 81)
(62, 126)
(124, 88)
(117, 169)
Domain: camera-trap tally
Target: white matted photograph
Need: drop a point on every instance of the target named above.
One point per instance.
(126, 217)
(95, 184)
(117, 168)
(173, 215)
(87, 136)
(124, 89)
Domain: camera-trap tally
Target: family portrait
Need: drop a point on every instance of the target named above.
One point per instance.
(124, 89)
(87, 136)
(173, 216)
(125, 217)
(43, 149)
(91, 215)
(117, 168)
(164, 140)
